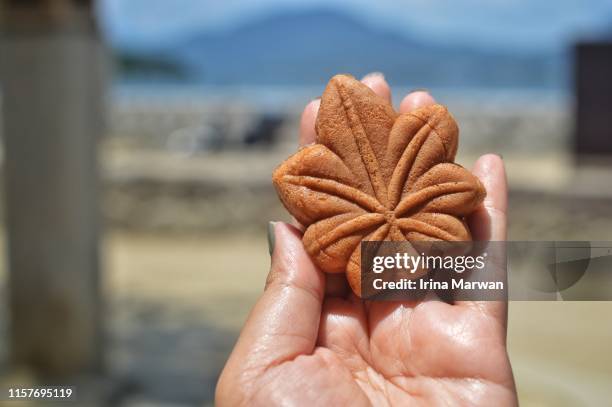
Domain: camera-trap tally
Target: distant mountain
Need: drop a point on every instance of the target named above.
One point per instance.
(310, 46)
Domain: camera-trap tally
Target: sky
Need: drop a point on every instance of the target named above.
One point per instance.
(501, 24)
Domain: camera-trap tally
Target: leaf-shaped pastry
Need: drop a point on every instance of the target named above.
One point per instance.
(375, 175)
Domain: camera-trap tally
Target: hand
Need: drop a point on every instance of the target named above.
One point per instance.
(310, 341)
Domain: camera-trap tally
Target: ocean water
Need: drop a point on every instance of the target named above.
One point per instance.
(281, 98)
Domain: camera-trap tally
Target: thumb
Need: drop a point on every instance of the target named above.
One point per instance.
(285, 320)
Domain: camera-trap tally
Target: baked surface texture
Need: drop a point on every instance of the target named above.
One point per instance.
(374, 174)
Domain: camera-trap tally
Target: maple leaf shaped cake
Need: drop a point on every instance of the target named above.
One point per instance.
(375, 175)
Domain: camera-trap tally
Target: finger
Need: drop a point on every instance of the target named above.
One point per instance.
(285, 320)
(377, 82)
(343, 327)
(488, 223)
(308, 134)
(416, 99)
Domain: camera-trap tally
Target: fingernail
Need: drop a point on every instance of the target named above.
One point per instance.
(499, 155)
(271, 237)
(374, 75)
(419, 90)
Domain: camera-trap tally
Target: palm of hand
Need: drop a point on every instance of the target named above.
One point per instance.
(305, 343)
(429, 353)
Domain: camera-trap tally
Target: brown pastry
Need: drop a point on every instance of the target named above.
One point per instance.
(374, 174)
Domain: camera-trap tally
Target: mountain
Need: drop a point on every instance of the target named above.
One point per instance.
(308, 47)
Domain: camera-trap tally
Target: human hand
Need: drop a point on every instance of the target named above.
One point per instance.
(310, 341)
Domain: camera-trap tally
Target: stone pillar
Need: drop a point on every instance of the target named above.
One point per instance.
(52, 68)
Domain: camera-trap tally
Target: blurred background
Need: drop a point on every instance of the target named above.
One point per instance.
(139, 138)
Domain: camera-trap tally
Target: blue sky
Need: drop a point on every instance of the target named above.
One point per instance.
(511, 24)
